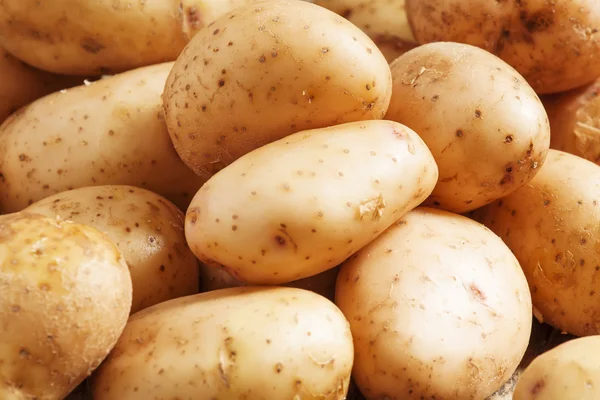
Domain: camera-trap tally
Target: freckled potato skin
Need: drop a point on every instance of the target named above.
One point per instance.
(268, 70)
(147, 229)
(305, 203)
(438, 307)
(552, 225)
(485, 126)
(253, 343)
(553, 44)
(66, 296)
(111, 132)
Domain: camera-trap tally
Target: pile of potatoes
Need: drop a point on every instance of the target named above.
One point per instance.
(286, 199)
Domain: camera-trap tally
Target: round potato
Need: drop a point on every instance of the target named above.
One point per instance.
(555, 45)
(439, 309)
(485, 126)
(65, 295)
(552, 225)
(258, 343)
(147, 229)
(303, 204)
(268, 70)
(110, 132)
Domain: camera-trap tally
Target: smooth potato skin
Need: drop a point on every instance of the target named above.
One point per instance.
(111, 132)
(305, 203)
(252, 343)
(147, 229)
(552, 225)
(439, 309)
(66, 296)
(298, 67)
(485, 126)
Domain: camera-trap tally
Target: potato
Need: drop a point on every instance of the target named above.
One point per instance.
(268, 70)
(110, 132)
(485, 126)
(552, 225)
(82, 37)
(65, 298)
(303, 204)
(253, 343)
(147, 229)
(438, 307)
(553, 44)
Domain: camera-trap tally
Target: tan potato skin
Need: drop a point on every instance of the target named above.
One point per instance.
(147, 229)
(111, 132)
(305, 203)
(240, 343)
(439, 309)
(268, 70)
(66, 296)
(552, 225)
(82, 37)
(553, 44)
(485, 126)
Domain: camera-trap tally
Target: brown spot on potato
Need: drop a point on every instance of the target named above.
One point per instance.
(459, 133)
(278, 368)
(508, 139)
(280, 240)
(538, 387)
(91, 45)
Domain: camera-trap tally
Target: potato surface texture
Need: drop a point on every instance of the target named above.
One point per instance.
(552, 225)
(65, 295)
(268, 70)
(303, 204)
(240, 343)
(147, 229)
(111, 132)
(438, 307)
(485, 126)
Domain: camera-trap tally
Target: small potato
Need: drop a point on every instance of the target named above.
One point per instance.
(439, 308)
(240, 343)
(303, 204)
(485, 126)
(552, 225)
(110, 132)
(65, 295)
(268, 70)
(147, 229)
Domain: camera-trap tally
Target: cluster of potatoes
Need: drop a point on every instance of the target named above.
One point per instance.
(271, 199)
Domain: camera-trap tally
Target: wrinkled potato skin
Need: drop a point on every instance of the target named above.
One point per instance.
(294, 216)
(488, 140)
(81, 37)
(552, 225)
(147, 229)
(243, 82)
(439, 309)
(555, 45)
(111, 132)
(253, 343)
(66, 296)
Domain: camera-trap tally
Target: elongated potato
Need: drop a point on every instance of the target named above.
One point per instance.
(552, 225)
(268, 70)
(254, 343)
(108, 133)
(485, 126)
(303, 204)
(65, 295)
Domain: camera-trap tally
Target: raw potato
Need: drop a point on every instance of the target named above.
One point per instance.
(439, 309)
(268, 70)
(147, 229)
(110, 132)
(239, 343)
(485, 126)
(555, 45)
(552, 225)
(305, 203)
(83, 37)
(66, 296)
